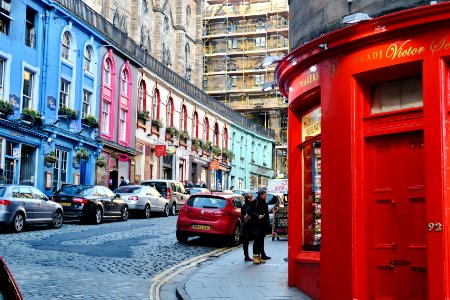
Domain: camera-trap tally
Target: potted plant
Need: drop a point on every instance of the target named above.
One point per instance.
(101, 161)
(32, 116)
(144, 115)
(206, 147)
(51, 157)
(157, 123)
(226, 153)
(171, 132)
(6, 108)
(184, 135)
(83, 153)
(196, 144)
(90, 121)
(216, 150)
(67, 112)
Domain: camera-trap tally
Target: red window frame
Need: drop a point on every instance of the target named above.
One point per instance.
(156, 97)
(195, 123)
(183, 117)
(170, 109)
(206, 129)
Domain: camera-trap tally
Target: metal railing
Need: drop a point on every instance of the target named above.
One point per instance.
(121, 41)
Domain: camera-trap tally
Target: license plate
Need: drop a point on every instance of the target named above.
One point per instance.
(202, 227)
(65, 204)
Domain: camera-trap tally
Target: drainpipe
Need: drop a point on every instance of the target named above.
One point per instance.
(46, 34)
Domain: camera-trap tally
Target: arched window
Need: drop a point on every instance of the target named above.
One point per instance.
(65, 45)
(107, 73)
(124, 81)
(183, 118)
(216, 134)
(225, 138)
(195, 125)
(88, 59)
(142, 95)
(206, 129)
(170, 112)
(156, 102)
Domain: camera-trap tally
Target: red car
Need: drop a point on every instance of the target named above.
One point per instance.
(211, 214)
(9, 290)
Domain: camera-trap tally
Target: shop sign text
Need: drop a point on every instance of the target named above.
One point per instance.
(311, 123)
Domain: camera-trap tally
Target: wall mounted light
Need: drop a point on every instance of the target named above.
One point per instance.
(355, 18)
(270, 60)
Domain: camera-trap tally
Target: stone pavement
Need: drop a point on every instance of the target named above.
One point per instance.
(230, 277)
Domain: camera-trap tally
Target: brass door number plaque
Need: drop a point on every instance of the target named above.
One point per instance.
(436, 226)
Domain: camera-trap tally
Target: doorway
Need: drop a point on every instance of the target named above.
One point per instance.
(397, 232)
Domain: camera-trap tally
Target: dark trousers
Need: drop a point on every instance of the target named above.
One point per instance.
(258, 244)
(245, 242)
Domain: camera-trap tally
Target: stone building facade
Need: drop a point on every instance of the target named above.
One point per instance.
(170, 30)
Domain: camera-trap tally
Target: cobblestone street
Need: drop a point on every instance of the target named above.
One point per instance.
(113, 260)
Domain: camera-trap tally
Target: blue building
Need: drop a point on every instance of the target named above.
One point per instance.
(48, 84)
(251, 160)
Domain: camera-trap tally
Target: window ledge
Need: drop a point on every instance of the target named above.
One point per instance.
(89, 74)
(308, 257)
(66, 62)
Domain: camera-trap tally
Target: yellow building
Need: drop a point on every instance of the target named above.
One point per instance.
(237, 36)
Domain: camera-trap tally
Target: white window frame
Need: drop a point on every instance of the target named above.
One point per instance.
(87, 100)
(2, 75)
(260, 42)
(124, 82)
(123, 124)
(64, 93)
(65, 47)
(88, 59)
(107, 73)
(62, 165)
(106, 114)
(31, 96)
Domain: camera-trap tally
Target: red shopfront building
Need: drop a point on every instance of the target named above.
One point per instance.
(369, 109)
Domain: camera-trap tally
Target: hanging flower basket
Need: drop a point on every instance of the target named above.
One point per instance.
(157, 123)
(32, 116)
(69, 113)
(101, 162)
(83, 153)
(144, 115)
(6, 108)
(90, 121)
(51, 158)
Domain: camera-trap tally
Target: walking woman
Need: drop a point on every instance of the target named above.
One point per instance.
(259, 218)
(245, 219)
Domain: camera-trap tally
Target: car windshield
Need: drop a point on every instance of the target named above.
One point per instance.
(2, 191)
(76, 190)
(207, 202)
(193, 191)
(161, 187)
(128, 190)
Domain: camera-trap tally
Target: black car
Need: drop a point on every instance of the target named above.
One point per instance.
(90, 203)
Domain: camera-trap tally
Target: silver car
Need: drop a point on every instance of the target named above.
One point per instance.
(144, 199)
(21, 205)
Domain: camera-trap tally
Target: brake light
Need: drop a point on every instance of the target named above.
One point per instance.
(5, 202)
(80, 200)
(169, 193)
(221, 213)
(134, 198)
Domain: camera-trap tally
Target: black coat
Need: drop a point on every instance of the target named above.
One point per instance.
(257, 226)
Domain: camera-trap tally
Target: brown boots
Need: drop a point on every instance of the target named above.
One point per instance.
(257, 260)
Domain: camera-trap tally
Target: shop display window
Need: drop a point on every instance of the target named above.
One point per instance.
(312, 201)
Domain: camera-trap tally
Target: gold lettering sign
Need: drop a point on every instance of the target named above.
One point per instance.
(438, 44)
(394, 51)
(309, 79)
(311, 123)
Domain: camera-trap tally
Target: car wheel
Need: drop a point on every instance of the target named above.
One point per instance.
(235, 238)
(147, 211)
(166, 210)
(98, 215)
(57, 219)
(18, 222)
(182, 237)
(173, 209)
(124, 215)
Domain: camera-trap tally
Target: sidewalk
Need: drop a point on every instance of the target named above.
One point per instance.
(230, 277)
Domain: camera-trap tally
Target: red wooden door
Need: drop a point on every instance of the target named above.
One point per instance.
(397, 232)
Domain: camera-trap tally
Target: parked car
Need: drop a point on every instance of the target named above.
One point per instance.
(22, 205)
(143, 199)
(211, 214)
(90, 203)
(9, 290)
(196, 190)
(242, 192)
(172, 190)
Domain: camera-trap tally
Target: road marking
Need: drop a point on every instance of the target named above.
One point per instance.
(164, 277)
